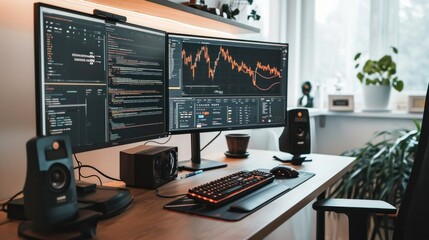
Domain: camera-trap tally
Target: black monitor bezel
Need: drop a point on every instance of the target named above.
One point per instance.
(39, 81)
(229, 128)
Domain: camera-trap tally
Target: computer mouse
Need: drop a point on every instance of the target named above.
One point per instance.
(283, 171)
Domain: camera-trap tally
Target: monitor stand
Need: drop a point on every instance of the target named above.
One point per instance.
(196, 162)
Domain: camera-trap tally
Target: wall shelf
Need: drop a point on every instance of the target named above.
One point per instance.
(180, 13)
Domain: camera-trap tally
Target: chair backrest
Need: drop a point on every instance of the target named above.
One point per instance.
(412, 221)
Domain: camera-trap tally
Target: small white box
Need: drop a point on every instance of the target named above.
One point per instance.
(341, 103)
(416, 103)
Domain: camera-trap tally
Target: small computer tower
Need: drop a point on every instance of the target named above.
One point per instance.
(148, 166)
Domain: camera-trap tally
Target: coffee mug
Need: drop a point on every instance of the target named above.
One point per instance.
(237, 142)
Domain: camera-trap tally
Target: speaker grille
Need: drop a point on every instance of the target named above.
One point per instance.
(58, 178)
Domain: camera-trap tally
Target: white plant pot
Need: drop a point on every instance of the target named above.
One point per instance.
(376, 98)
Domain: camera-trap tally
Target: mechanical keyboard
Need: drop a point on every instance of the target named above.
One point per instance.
(226, 189)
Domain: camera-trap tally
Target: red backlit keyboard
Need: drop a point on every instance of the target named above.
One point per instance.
(226, 189)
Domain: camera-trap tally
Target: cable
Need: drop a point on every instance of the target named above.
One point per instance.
(94, 168)
(210, 141)
(3, 206)
(79, 164)
(93, 175)
(168, 196)
(160, 143)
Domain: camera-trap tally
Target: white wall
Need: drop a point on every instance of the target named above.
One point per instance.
(17, 119)
(341, 133)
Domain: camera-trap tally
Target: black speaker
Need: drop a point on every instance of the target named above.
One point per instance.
(148, 166)
(295, 138)
(50, 191)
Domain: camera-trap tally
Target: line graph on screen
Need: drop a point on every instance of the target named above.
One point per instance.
(216, 69)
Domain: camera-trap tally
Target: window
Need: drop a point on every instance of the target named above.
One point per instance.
(340, 29)
(413, 44)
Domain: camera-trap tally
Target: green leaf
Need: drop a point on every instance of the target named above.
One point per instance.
(253, 15)
(368, 67)
(398, 85)
(370, 82)
(395, 50)
(392, 69)
(250, 2)
(385, 82)
(357, 56)
(357, 65)
(385, 62)
(360, 77)
(225, 8)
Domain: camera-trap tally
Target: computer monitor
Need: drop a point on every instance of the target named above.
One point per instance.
(224, 84)
(100, 81)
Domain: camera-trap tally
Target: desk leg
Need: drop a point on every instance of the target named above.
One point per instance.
(320, 221)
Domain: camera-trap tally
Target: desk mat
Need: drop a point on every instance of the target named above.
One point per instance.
(190, 206)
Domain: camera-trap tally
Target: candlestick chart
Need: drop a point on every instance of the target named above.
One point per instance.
(230, 70)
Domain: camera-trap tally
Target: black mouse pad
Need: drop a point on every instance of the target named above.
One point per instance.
(187, 205)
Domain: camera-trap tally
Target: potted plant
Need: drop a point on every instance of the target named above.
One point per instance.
(237, 10)
(377, 78)
(382, 171)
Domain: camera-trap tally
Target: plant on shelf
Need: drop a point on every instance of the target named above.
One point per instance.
(230, 14)
(382, 171)
(379, 72)
(253, 15)
(232, 9)
(377, 77)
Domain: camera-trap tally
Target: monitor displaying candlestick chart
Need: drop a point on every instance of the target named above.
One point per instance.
(222, 84)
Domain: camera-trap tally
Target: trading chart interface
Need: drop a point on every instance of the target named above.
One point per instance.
(225, 84)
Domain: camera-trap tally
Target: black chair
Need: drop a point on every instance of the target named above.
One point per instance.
(412, 219)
